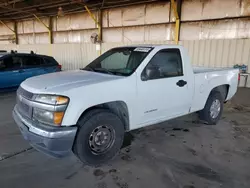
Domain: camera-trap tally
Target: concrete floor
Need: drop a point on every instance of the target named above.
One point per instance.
(181, 153)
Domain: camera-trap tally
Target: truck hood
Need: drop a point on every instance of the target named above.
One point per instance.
(61, 81)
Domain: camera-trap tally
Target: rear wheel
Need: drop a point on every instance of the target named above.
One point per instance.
(99, 138)
(213, 109)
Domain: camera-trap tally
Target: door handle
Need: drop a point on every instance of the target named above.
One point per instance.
(181, 83)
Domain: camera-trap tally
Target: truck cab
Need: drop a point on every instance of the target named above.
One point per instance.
(88, 111)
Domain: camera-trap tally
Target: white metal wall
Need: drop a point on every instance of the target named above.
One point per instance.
(201, 19)
(209, 53)
(71, 56)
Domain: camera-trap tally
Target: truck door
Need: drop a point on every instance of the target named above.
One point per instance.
(163, 88)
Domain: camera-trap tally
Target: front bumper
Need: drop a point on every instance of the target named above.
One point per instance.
(54, 141)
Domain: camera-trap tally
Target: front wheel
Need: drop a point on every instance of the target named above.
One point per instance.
(212, 111)
(99, 138)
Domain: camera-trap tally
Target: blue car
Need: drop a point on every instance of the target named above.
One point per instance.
(17, 67)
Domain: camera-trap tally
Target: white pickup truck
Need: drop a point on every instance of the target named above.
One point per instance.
(88, 111)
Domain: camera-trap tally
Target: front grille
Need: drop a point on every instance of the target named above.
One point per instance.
(23, 108)
(24, 93)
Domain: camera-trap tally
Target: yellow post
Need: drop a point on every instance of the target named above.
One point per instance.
(98, 26)
(177, 30)
(177, 22)
(47, 27)
(91, 15)
(49, 31)
(15, 32)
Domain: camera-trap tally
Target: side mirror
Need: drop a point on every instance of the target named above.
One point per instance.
(150, 73)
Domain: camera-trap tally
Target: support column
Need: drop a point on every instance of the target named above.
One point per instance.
(49, 27)
(179, 5)
(176, 7)
(99, 25)
(100, 30)
(50, 31)
(15, 30)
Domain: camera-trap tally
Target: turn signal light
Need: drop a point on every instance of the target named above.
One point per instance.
(58, 116)
(61, 100)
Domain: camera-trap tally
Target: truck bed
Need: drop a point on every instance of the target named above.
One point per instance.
(205, 79)
(198, 70)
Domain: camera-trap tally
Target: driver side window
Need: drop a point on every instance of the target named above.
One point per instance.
(165, 63)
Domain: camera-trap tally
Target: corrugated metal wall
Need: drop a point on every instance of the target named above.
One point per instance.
(71, 56)
(222, 42)
(209, 53)
(201, 19)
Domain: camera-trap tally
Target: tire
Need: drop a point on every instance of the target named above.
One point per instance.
(206, 114)
(86, 146)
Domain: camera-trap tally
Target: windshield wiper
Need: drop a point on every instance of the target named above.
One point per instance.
(103, 70)
(88, 69)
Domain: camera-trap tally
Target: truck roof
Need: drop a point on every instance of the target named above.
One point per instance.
(153, 45)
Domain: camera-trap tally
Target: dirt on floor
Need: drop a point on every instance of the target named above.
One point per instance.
(181, 153)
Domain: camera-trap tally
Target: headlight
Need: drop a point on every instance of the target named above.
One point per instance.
(47, 115)
(52, 99)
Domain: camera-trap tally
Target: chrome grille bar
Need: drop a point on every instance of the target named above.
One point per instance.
(23, 107)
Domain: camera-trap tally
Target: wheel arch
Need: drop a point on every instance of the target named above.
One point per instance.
(117, 107)
(222, 89)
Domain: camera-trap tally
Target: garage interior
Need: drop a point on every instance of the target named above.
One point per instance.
(216, 33)
(180, 153)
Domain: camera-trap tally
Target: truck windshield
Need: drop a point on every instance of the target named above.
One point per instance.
(119, 61)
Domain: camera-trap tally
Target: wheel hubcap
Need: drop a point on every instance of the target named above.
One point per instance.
(215, 109)
(101, 139)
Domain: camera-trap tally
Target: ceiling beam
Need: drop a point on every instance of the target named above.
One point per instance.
(10, 2)
(27, 8)
(16, 10)
(103, 2)
(40, 9)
